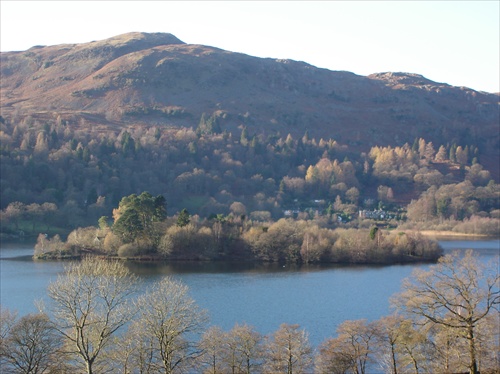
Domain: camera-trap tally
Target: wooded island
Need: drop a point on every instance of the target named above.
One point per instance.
(141, 230)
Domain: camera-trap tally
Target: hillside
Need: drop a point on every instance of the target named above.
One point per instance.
(218, 133)
(158, 79)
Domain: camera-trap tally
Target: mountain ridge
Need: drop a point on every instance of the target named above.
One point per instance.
(155, 78)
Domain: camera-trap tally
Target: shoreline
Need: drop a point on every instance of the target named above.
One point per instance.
(454, 235)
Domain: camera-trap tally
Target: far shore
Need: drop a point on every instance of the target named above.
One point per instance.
(440, 234)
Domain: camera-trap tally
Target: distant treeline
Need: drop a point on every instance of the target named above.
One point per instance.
(85, 170)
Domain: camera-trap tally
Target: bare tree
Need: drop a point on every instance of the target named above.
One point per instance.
(31, 346)
(91, 301)
(414, 347)
(350, 350)
(448, 347)
(459, 292)
(359, 336)
(133, 352)
(244, 349)
(7, 320)
(288, 351)
(387, 340)
(237, 351)
(169, 320)
(334, 357)
(14, 213)
(213, 346)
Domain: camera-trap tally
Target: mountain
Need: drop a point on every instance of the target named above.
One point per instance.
(144, 78)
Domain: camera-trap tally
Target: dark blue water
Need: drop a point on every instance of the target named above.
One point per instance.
(318, 298)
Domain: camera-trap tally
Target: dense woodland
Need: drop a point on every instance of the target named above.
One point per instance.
(58, 175)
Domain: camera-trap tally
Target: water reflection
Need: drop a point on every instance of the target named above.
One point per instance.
(490, 248)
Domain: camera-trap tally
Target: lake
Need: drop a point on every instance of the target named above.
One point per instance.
(318, 297)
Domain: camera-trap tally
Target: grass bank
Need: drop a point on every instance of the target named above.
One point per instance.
(444, 234)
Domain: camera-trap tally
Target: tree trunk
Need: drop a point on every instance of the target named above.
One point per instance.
(472, 350)
(393, 356)
(89, 367)
(214, 366)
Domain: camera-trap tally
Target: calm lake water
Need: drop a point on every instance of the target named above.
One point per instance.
(318, 298)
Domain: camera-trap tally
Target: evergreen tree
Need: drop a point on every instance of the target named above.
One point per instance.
(183, 219)
(453, 149)
(208, 126)
(128, 144)
(136, 216)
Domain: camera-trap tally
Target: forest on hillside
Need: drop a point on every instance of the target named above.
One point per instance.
(58, 175)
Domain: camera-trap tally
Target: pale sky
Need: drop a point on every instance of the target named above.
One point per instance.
(454, 42)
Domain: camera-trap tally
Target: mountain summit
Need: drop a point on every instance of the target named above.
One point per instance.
(155, 78)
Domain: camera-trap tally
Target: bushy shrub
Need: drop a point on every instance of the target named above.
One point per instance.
(479, 225)
(46, 245)
(111, 243)
(316, 244)
(186, 241)
(495, 213)
(281, 241)
(129, 250)
(83, 238)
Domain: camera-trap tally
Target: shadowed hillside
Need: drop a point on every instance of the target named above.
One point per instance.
(157, 79)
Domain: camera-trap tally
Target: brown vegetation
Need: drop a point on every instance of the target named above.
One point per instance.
(219, 134)
(156, 79)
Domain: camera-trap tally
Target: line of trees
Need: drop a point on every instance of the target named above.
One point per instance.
(446, 320)
(85, 171)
